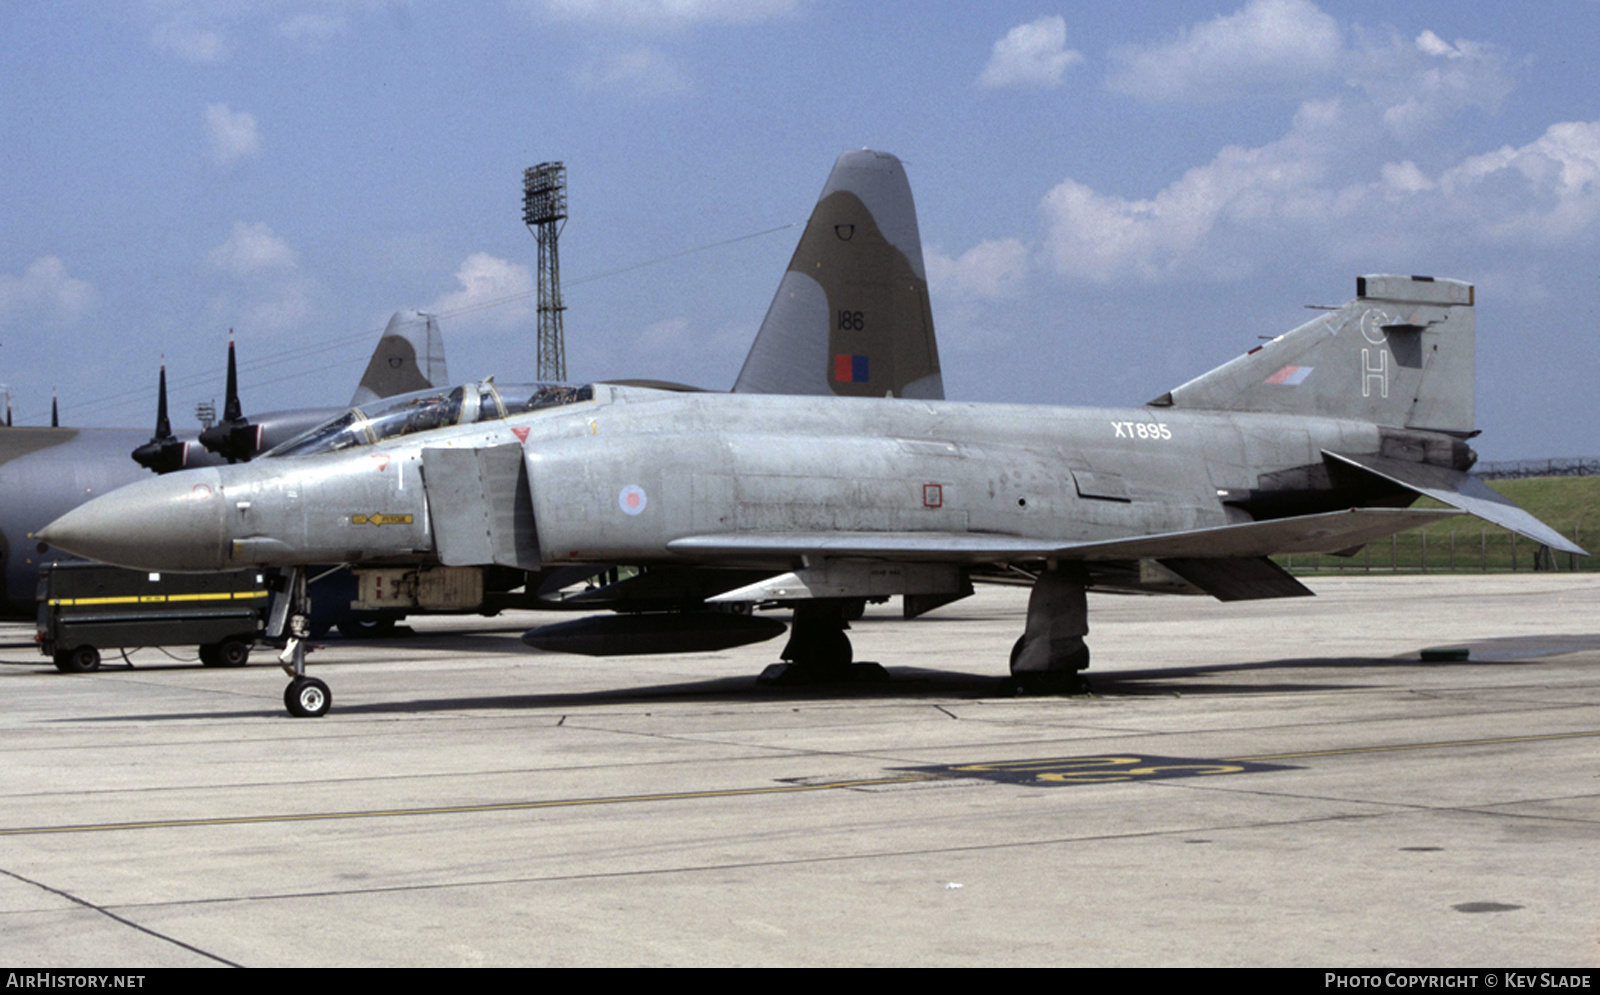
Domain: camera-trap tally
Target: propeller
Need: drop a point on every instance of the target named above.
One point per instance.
(55, 412)
(164, 452)
(234, 438)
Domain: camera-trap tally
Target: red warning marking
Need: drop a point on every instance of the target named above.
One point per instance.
(933, 495)
(520, 433)
(382, 459)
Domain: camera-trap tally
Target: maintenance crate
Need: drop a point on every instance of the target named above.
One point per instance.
(87, 607)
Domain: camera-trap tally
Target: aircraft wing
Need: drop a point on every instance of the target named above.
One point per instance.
(1460, 490)
(1323, 533)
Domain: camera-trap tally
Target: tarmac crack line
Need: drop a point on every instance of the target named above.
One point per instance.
(779, 789)
(283, 817)
(756, 864)
(1494, 810)
(116, 918)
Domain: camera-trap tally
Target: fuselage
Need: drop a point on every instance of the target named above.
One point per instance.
(616, 478)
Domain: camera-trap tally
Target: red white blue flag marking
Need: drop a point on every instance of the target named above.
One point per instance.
(849, 368)
(1290, 376)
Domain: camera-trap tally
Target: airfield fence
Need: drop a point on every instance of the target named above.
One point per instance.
(1485, 550)
(1524, 468)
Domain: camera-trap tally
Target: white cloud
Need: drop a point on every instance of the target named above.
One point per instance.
(234, 135)
(190, 42)
(1546, 192)
(269, 293)
(641, 72)
(251, 250)
(1361, 174)
(1235, 214)
(992, 269)
(1266, 43)
(1100, 237)
(1432, 44)
(45, 290)
(1030, 55)
(1423, 85)
(664, 13)
(280, 306)
(1405, 178)
(493, 294)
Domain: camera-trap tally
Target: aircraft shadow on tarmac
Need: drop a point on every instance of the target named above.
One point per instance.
(912, 683)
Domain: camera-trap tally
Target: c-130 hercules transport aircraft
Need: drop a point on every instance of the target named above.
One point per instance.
(1316, 441)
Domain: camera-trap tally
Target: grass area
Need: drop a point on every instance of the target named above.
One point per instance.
(1570, 505)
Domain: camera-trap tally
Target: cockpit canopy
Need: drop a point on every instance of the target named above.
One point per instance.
(424, 410)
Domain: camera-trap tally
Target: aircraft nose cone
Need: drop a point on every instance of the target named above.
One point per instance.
(173, 522)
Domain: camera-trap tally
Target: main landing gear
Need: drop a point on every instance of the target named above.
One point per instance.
(1050, 655)
(305, 697)
(818, 651)
(1048, 658)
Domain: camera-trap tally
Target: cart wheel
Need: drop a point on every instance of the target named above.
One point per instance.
(233, 652)
(79, 660)
(307, 698)
(367, 628)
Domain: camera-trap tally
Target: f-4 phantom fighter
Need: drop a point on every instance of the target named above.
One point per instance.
(1316, 441)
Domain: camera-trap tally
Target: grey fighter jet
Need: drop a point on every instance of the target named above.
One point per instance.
(46, 472)
(1316, 441)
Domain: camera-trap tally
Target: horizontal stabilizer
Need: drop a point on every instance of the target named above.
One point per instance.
(1323, 533)
(1460, 490)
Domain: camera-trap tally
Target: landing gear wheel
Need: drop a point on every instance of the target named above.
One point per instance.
(1065, 677)
(79, 660)
(307, 698)
(819, 651)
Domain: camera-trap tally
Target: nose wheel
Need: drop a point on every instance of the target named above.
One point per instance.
(307, 698)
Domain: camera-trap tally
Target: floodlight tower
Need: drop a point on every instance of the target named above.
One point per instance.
(544, 211)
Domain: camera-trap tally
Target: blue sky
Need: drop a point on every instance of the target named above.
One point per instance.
(1113, 198)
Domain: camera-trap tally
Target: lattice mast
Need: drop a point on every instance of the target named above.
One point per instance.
(544, 211)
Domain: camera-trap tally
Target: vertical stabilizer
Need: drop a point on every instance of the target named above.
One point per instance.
(410, 356)
(1400, 354)
(851, 316)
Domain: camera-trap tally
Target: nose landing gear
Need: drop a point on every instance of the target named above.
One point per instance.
(305, 697)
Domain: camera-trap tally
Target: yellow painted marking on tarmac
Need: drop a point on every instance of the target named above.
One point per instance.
(1415, 746)
(1129, 773)
(247, 820)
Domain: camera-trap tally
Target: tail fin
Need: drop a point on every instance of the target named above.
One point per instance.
(1400, 354)
(851, 316)
(410, 356)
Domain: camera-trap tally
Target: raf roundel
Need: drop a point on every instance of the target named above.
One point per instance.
(631, 499)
